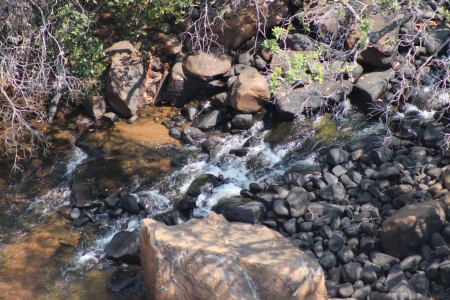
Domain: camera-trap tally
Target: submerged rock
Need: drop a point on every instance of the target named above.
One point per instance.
(204, 182)
(215, 259)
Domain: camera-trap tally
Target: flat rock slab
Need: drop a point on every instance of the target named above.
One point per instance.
(214, 259)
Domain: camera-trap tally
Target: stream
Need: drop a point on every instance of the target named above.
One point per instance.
(42, 256)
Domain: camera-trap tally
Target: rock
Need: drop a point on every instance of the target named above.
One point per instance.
(80, 222)
(397, 283)
(369, 89)
(345, 255)
(444, 271)
(215, 259)
(280, 208)
(203, 183)
(208, 120)
(252, 212)
(111, 117)
(250, 92)
(95, 106)
(411, 263)
(243, 26)
(124, 247)
(243, 121)
(332, 191)
(207, 65)
(82, 192)
(380, 52)
(298, 201)
(398, 190)
(180, 87)
(192, 135)
(434, 38)
(130, 204)
(171, 45)
(337, 156)
(351, 272)
(246, 59)
(382, 259)
(75, 213)
(365, 144)
(316, 95)
(122, 279)
(411, 226)
(221, 99)
(116, 212)
(390, 173)
(175, 133)
(124, 79)
(323, 208)
(346, 290)
(381, 155)
(328, 260)
(300, 42)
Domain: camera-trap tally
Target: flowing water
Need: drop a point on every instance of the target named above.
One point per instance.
(44, 257)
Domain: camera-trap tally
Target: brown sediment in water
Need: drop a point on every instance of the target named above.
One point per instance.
(30, 264)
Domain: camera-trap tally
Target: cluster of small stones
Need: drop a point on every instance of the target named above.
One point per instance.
(352, 219)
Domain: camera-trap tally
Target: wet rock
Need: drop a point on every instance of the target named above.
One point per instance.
(252, 212)
(203, 183)
(124, 247)
(81, 222)
(189, 111)
(175, 133)
(208, 120)
(411, 226)
(122, 279)
(243, 121)
(112, 201)
(192, 135)
(75, 213)
(130, 204)
(124, 79)
(101, 209)
(116, 212)
(191, 262)
(239, 152)
(250, 92)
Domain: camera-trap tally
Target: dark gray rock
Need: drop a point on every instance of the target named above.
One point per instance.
(175, 133)
(192, 135)
(398, 190)
(444, 271)
(420, 283)
(347, 182)
(346, 254)
(437, 240)
(432, 271)
(124, 247)
(298, 201)
(252, 212)
(351, 272)
(366, 144)
(122, 279)
(345, 290)
(330, 178)
(411, 263)
(337, 156)
(323, 208)
(396, 282)
(327, 260)
(243, 121)
(434, 38)
(208, 120)
(203, 183)
(382, 259)
(116, 212)
(332, 191)
(339, 170)
(368, 89)
(280, 208)
(335, 243)
(300, 42)
(129, 203)
(291, 226)
(390, 173)
(361, 293)
(381, 155)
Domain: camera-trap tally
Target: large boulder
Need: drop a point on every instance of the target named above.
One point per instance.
(214, 259)
(234, 31)
(370, 88)
(411, 226)
(250, 92)
(124, 247)
(206, 66)
(181, 87)
(314, 96)
(124, 79)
